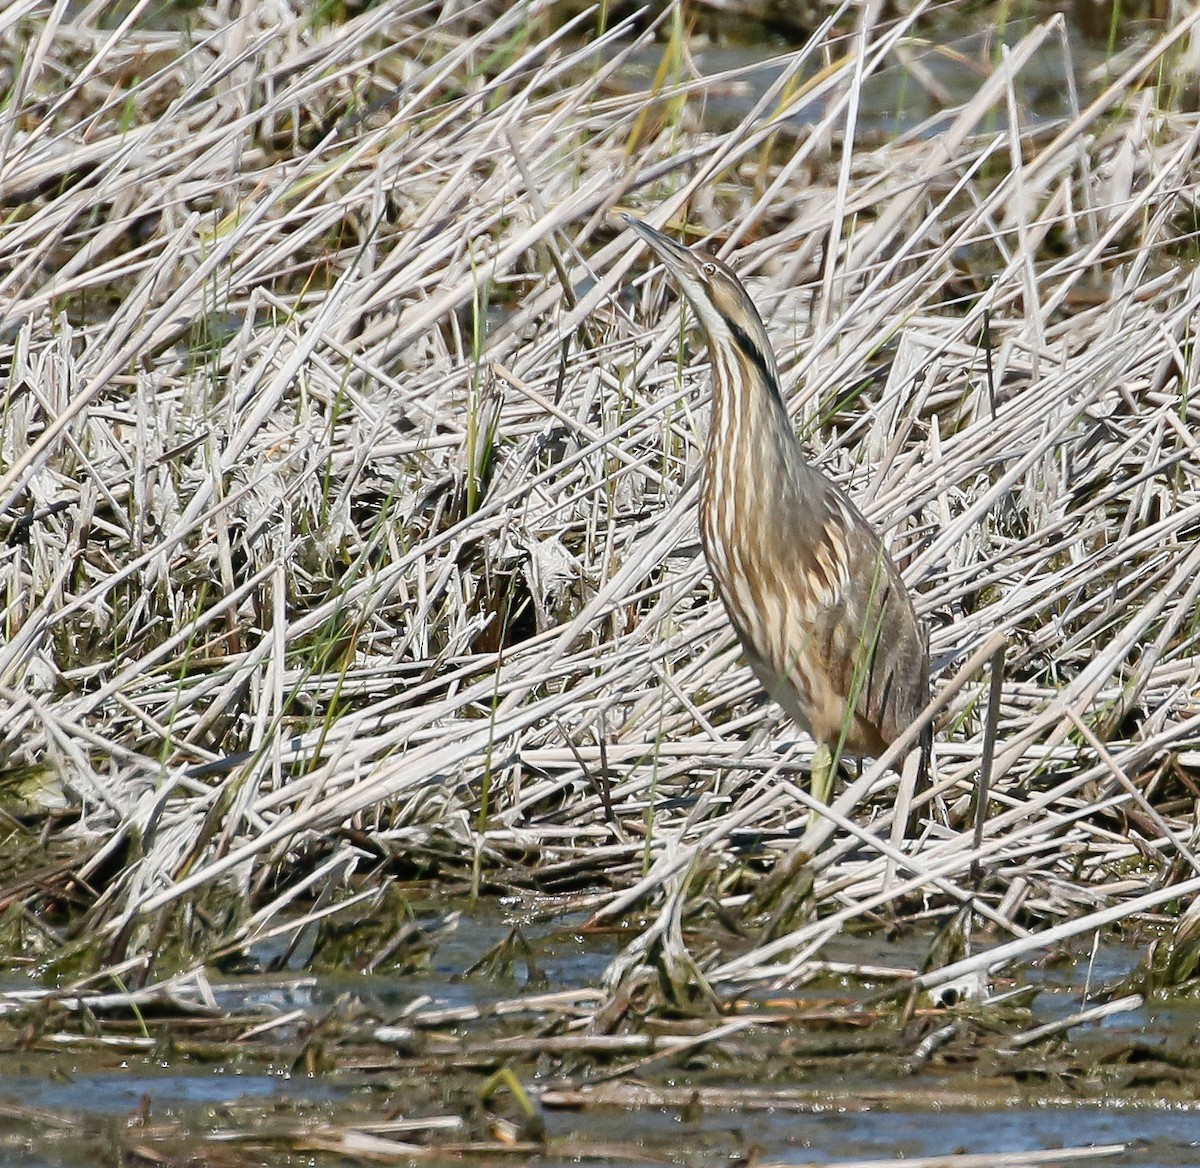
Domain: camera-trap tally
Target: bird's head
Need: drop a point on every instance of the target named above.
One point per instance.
(724, 308)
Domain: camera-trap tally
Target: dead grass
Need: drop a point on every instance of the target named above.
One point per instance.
(348, 474)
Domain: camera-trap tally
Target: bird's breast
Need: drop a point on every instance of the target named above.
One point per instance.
(751, 534)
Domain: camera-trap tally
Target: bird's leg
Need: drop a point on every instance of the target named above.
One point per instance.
(821, 770)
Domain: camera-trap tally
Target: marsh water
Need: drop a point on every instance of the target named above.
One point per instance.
(293, 1067)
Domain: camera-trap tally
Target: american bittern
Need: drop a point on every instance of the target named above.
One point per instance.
(816, 601)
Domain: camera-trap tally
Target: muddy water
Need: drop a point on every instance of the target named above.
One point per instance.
(299, 1069)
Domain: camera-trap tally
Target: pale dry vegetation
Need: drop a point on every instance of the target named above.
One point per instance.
(349, 455)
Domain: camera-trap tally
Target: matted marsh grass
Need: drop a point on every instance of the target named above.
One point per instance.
(348, 483)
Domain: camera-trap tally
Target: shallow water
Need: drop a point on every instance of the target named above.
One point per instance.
(68, 1098)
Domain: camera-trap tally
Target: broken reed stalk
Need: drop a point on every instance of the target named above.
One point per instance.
(251, 598)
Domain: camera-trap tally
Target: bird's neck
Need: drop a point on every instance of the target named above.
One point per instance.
(752, 462)
(750, 432)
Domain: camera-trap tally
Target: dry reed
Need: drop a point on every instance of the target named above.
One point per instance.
(348, 471)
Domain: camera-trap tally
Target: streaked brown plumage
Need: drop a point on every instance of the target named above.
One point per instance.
(817, 603)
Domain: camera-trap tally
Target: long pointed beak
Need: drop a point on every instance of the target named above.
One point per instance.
(678, 259)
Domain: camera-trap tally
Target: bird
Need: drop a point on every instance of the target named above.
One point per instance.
(822, 614)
